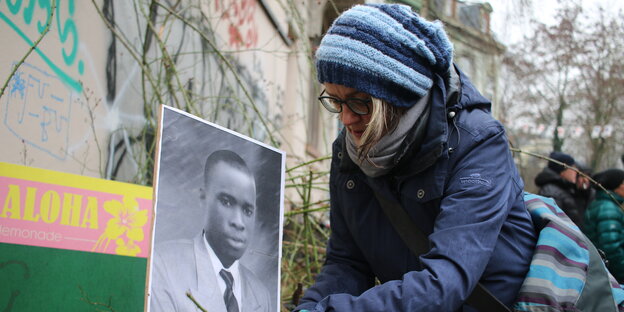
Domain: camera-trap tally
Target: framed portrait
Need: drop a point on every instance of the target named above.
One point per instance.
(217, 230)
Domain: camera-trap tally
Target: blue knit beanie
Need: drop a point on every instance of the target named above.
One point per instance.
(385, 50)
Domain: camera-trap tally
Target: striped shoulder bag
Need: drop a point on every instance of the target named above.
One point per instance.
(567, 272)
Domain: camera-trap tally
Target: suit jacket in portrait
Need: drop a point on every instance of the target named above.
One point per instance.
(181, 266)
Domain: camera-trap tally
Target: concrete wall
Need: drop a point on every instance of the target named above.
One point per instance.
(54, 107)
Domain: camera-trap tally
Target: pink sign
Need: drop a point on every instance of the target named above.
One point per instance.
(58, 210)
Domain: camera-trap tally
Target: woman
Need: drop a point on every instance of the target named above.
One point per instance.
(604, 220)
(416, 130)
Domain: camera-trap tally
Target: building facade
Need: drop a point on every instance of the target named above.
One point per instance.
(86, 99)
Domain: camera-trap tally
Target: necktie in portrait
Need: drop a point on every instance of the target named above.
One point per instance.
(228, 296)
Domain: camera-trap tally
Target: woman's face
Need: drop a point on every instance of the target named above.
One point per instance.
(354, 123)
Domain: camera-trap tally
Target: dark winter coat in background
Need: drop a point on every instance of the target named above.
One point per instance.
(604, 225)
(570, 199)
(461, 188)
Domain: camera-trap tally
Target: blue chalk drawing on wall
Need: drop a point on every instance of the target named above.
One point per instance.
(19, 85)
(38, 100)
(65, 26)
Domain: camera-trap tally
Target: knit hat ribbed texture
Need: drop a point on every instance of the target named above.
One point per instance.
(610, 178)
(385, 50)
(561, 157)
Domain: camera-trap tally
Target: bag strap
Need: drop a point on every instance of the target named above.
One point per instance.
(481, 298)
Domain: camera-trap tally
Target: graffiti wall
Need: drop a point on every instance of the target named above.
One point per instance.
(45, 117)
(84, 100)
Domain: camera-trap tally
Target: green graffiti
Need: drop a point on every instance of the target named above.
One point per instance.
(44, 4)
(14, 7)
(69, 28)
(66, 29)
(29, 12)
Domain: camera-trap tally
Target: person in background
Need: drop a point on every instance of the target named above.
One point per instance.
(417, 131)
(604, 219)
(560, 183)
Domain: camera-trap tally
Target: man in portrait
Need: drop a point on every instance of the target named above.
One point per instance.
(207, 266)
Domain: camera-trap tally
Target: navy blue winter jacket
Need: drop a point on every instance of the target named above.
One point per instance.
(461, 188)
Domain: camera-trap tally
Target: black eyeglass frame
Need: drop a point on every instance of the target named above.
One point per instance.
(355, 104)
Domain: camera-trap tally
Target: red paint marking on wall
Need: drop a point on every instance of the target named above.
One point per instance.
(240, 16)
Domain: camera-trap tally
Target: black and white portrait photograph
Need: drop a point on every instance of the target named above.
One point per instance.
(218, 219)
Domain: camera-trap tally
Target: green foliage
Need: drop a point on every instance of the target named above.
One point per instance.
(305, 234)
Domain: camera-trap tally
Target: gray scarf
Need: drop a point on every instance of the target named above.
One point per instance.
(380, 158)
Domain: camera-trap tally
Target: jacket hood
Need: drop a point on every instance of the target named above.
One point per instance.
(449, 96)
(549, 176)
(467, 95)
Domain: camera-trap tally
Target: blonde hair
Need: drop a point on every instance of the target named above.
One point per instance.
(384, 119)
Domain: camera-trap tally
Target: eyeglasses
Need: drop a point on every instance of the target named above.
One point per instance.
(357, 105)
